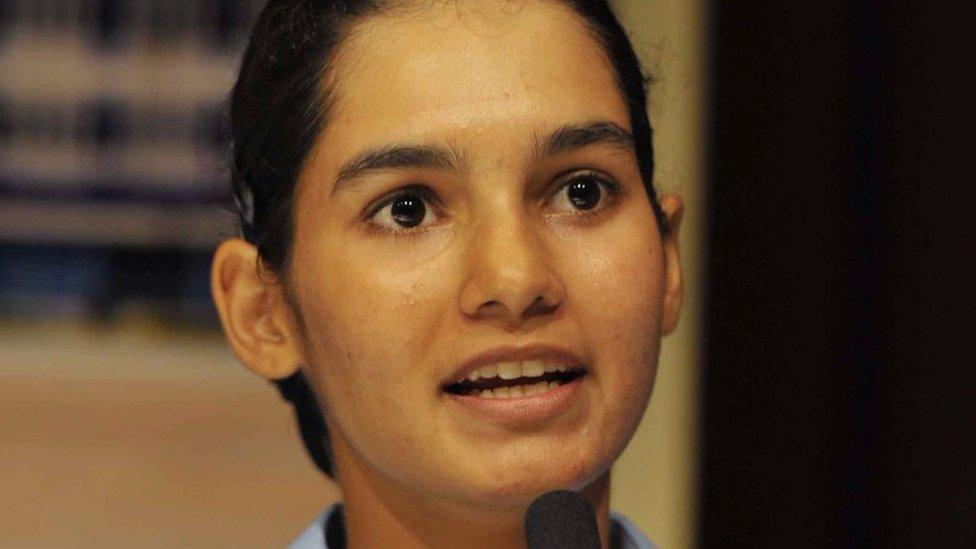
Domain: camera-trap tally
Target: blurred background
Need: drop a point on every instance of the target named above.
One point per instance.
(817, 393)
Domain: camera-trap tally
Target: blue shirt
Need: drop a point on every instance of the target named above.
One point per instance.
(624, 534)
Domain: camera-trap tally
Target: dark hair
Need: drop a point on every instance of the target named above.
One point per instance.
(279, 107)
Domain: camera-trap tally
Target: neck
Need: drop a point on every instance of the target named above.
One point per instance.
(380, 514)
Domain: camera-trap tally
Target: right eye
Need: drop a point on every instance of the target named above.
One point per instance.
(404, 211)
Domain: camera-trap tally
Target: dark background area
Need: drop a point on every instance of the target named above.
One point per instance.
(839, 381)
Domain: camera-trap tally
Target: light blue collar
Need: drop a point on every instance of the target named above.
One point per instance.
(314, 536)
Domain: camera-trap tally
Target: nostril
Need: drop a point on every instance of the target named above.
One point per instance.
(540, 306)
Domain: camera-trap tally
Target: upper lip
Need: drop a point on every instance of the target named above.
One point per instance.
(514, 353)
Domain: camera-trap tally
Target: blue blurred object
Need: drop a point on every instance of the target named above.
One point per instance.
(53, 271)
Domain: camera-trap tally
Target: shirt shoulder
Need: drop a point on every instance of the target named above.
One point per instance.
(629, 535)
(314, 536)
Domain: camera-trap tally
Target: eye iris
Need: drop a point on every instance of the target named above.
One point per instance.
(584, 193)
(408, 211)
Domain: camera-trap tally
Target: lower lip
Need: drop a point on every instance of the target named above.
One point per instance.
(525, 409)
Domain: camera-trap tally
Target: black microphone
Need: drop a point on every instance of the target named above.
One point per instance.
(561, 520)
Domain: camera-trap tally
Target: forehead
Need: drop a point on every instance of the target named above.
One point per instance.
(460, 71)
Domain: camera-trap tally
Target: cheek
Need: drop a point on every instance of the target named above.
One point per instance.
(617, 289)
(616, 281)
(368, 320)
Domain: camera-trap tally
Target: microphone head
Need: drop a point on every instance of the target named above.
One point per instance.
(561, 520)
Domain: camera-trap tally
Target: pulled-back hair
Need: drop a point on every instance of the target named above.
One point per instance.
(281, 103)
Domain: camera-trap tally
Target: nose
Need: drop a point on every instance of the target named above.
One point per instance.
(509, 277)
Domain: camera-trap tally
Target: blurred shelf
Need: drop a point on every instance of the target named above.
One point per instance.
(141, 225)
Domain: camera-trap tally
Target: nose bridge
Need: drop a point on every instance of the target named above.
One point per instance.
(509, 274)
(506, 243)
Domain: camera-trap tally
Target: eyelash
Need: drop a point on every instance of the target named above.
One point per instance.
(610, 188)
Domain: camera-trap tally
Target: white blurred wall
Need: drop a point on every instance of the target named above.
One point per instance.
(655, 481)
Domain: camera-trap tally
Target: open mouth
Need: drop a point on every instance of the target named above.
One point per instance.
(513, 380)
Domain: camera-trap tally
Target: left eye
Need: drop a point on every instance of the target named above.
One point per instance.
(585, 191)
(404, 211)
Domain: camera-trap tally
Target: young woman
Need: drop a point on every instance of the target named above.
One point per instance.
(454, 262)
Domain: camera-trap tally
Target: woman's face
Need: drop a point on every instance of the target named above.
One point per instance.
(474, 197)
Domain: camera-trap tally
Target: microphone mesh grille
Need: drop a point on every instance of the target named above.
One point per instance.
(561, 519)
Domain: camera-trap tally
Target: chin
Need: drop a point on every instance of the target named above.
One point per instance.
(522, 485)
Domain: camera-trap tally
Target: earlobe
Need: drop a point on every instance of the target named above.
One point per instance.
(256, 318)
(673, 209)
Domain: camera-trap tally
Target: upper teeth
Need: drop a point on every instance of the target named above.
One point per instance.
(514, 370)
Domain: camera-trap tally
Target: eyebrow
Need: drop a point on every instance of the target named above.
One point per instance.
(565, 139)
(401, 156)
(573, 137)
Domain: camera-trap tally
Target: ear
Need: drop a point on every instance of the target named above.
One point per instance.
(673, 209)
(257, 319)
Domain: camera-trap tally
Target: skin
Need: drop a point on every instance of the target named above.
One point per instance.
(379, 320)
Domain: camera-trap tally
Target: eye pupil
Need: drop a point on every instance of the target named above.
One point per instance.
(584, 193)
(408, 211)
